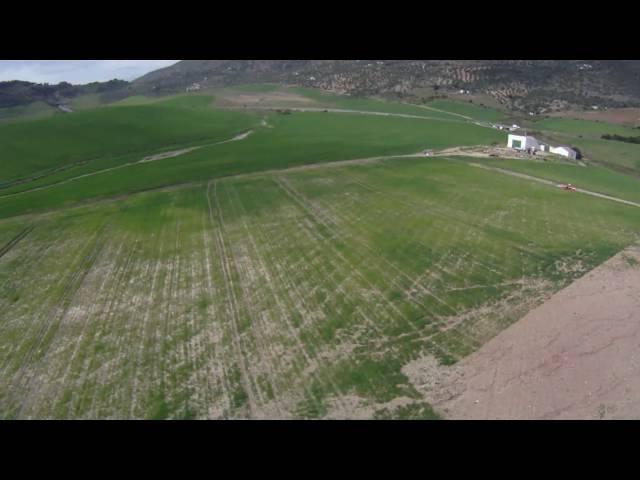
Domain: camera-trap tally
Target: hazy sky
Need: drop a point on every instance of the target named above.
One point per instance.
(77, 71)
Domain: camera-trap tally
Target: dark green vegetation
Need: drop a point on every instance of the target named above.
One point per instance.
(254, 289)
(620, 138)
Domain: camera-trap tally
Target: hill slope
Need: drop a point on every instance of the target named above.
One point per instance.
(519, 84)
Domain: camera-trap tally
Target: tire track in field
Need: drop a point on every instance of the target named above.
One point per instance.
(273, 359)
(80, 380)
(319, 239)
(96, 370)
(469, 338)
(55, 317)
(443, 320)
(292, 288)
(393, 214)
(14, 241)
(313, 215)
(435, 321)
(26, 329)
(215, 334)
(229, 287)
(364, 243)
(77, 345)
(145, 321)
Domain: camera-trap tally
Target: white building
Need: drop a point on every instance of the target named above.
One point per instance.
(564, 151)
(522, 142)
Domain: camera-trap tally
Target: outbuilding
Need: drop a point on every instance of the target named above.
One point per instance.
(565, 151)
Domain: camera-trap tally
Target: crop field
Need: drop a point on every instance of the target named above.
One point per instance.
(31, 147)
(288, 295)
(277, 141)
(167, 259)
(586, 128)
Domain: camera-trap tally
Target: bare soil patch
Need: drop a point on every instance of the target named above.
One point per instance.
(574, 357)
(161, 156)
(257, 99)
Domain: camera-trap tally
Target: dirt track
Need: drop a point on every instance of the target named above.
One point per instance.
(553, 184)
(359, 112)
(576, 356)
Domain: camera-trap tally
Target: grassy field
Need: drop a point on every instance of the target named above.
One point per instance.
(253, 289)
(586, 128)
(32, 147)
(282, 295)
(594, 178)
(283, 141)
(31, 111)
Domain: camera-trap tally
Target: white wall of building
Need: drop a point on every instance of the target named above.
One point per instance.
(525, 142)
(564, 151)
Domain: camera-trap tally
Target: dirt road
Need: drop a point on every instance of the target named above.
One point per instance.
(554, 184)
(359, 112)
(576, 356)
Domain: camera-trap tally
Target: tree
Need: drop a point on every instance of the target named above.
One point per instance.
(578, 153)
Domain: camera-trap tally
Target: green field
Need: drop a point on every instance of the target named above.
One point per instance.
(32, 147)
(594, 178)
(586, 128)
(287, 141)
(270, 278)
(31, 111)
(281, 295)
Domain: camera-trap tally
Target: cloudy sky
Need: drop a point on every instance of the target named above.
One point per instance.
(77, 71)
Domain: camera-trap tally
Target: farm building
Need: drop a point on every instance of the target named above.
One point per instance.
(522, 142)
(565, 151)
(531, 144)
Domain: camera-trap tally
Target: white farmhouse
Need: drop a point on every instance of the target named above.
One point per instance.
(564, 151)
(522, 142)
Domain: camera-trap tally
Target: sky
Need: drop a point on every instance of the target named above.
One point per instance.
(77, 71)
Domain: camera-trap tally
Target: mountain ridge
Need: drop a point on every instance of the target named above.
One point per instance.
(539, 85)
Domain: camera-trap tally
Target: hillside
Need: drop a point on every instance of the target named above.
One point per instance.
(526, 85)
(18, 93)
